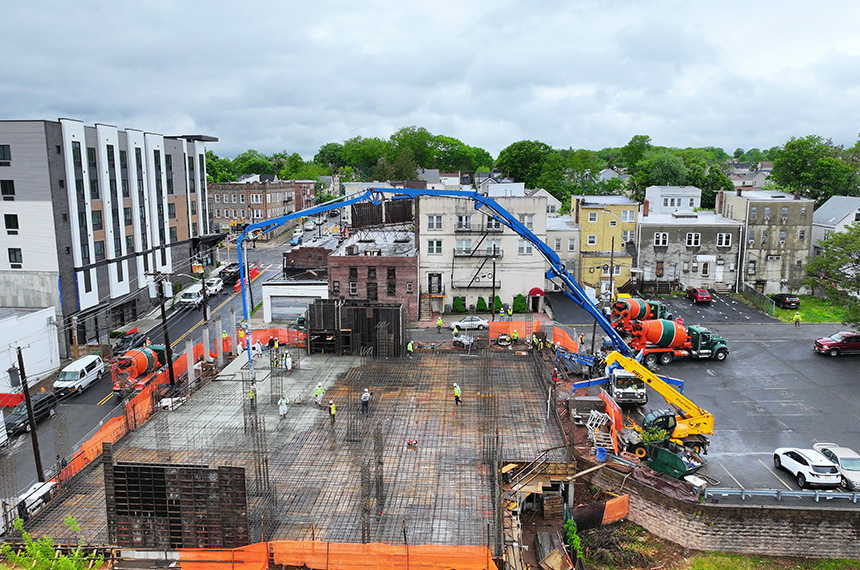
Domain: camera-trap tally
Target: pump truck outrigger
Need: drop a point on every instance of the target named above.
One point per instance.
(688, 426)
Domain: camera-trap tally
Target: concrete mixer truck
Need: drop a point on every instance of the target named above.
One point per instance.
(663, 341)
(131, 371)
(629, 309)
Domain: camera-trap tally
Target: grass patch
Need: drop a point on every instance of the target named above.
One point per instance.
(813, 310)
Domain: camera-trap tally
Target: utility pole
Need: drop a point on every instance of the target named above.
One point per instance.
(493, 295)
(167, 348)
(40, 473)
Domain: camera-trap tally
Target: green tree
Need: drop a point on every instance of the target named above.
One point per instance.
(634, 152)
(658, 169)
(458, 305)
(482, 161)
(835, 272)
(811, 167)
(417, 140)
(42, 554)
(382, 170)
(362, 154)
(739, 153)
(481, 305)
(404, 166)
(330, 155)
(253, 162)
(524, 161)
(219, 170)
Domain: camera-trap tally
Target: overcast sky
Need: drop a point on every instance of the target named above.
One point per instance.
(293, 76)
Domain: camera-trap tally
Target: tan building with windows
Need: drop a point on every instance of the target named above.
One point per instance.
(608, 230)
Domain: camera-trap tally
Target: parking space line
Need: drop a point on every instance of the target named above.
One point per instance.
(766, 466)
(729, 473)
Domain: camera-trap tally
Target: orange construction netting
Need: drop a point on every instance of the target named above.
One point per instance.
(347, 556)
(614, 412)
(251, 557)
(524, 330)
(561, 336)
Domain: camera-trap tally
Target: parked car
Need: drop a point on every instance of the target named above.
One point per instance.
(470, 323)
(845, 342)
(79, 375)
(699, 295)
(847, 461)
(44, 405)
(296, 240)
(128, 342)
(230, 274)
(214, 285)
(809, 467)
(786, 300)
(310, 225)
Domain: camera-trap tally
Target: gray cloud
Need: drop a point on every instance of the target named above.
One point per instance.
(289, 76)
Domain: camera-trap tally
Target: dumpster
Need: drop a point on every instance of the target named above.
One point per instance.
(674, 460)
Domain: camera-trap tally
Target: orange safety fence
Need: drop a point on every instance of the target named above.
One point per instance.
(567, 343)
(508, 327)
(251, 557)
(110, 432)
(350, 556)
(616, 509)
(291, 337)
(10, 400)
(614, 412)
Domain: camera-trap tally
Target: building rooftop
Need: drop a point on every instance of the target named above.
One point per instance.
(387, 243)
(775, 195)
(561, 223)
(692, 191)
(835, 209)
(688, 218)
(600, 201)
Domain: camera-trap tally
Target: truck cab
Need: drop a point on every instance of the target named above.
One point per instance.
(192, 297)
(627, 388)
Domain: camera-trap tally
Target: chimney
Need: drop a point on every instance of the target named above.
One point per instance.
(739, 190)
(645, 209)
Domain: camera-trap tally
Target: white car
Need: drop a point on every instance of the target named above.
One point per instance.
(310, 225)
(809, 467)
(847, 462)
(470, 323)
(214, 285)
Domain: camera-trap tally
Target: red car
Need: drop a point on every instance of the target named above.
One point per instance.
(699, 295)
(845, 342)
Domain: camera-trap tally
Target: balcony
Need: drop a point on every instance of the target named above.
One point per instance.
(479, 253)
(478, 229)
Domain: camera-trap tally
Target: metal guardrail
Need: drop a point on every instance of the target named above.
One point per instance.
(779, 494)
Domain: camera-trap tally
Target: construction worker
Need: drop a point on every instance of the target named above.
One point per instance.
(332, 410)
(252, 396)
(510, 313)
(457, 393)
(796, 319)
(515, 336)
(534, 341)
(502, 313)
(455, 332)
(282, 407)
(288, 362)
(581, 338)
(276, 343)
(271, 344)
(439, 325)
(320, 392)
(409, 348)
(148, 342)
(365, 401)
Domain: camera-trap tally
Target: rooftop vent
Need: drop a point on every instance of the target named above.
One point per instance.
(352, 249)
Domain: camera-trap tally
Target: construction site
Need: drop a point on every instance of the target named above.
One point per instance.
(415, 469)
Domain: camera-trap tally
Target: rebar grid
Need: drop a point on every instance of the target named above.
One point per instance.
(325, 485)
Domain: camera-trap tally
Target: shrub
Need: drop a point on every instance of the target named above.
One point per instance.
(497, 304)
(572, 539)
(520, 304)
(459, 305)
(481, 306)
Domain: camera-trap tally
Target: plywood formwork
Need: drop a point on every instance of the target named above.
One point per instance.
(416, 459)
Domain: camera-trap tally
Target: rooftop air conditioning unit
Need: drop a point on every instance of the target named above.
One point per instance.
(352, 249)
(782, 242)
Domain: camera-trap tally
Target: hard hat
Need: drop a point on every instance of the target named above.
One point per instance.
(366, 390)
(331, 401)
(455, 383)
(319, 384)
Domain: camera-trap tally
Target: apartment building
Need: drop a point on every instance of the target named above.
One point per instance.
(252, 200)
(608, 230)
(91, 212)
(777, 236)
(465, 253)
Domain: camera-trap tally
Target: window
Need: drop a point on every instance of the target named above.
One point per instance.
(803, 211)
(464, 246)
(232, 198)
(658, 271)
(571, 244)
(76, 152)
(171, 210)
(256, 198)
(91, 155)
(524, 248)
(391, 273)
(85, 252)
(767, 212)
(751, 267)
(464, 222)
(129, 244)
(591, 240)
(557, 243)
(528, 220)
(194, 208)
(7, 190)
(753, 214)
(434, 247)
(11, 222)
(661, 239)
(16, 258)
(99, 250)
(82, 220)
(5, 152)
(241, 198)
(243, 213)
(173, 233)
(784, 213)
(630, 215)
(764, 236)
(665, 202)
(494, 247)
(692, 202)
(616, 269)
(335, 287)
(782, 236)
(705, 268)
(94, 188)
(592, 217)
(123, 159)
(613, 223)
(110, 157)
(493, 224)
(235, 213)
(216, 198)
(724, 240)
(694, 239)
(353, 288)
(125, 193)
(627, 236)
(801, 235)
(392, 288)
(353, 273)
(371, 274)
(97, 220)
(217, 213)
(88, 282)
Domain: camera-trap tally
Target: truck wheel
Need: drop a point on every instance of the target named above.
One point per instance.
(833, 352)
(666, 358)
(721, 355)
(640, 451)
(695, 447)
(650, 360)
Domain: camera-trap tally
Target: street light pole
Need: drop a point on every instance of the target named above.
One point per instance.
(167, 348)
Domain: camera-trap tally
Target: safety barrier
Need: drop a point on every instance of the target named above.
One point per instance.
(780, 494)
(560, 336)
(524, 329)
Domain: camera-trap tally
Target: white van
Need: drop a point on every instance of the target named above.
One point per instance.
(79, 375)
(192, 297)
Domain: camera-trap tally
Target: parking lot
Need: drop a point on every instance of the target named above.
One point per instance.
(772, 391)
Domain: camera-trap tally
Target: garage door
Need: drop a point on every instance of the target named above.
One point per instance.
(288, 308)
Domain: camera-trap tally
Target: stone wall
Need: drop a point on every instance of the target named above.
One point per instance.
(778, 530)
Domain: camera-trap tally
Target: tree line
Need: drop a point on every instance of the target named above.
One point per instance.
(811, 167)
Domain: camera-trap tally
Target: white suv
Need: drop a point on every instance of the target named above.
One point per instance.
(847, 462)
(809, 467)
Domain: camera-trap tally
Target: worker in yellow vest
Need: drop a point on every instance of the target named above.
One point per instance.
(332, 410)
